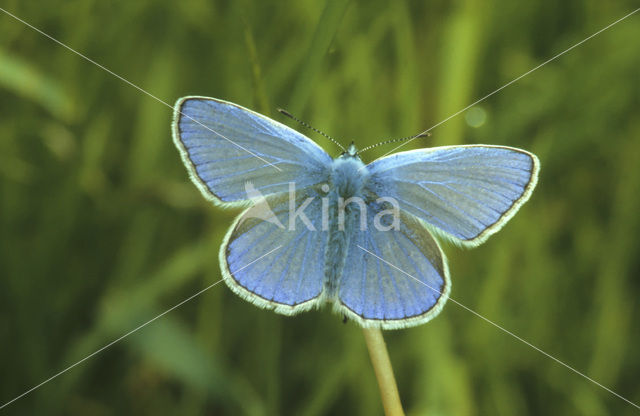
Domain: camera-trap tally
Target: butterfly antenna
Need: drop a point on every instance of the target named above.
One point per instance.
(402, 139)
(288, 114)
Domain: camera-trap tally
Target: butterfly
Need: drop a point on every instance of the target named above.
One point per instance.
(317, 229)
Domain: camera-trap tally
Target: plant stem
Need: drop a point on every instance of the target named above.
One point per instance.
(384, 372)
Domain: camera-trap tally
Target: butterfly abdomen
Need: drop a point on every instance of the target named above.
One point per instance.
(346, 203)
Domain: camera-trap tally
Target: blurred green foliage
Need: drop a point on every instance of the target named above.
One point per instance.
(101, 230)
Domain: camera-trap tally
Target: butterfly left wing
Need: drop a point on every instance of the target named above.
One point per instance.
(393, 277)
(274, 258)
(465, 193)
(224, 146)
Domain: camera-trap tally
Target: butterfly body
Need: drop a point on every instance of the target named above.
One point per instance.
(317, 229)
(346, 187)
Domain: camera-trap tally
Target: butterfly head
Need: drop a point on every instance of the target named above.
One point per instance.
(351, 152)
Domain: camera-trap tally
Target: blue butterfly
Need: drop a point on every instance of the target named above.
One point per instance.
(318, 230)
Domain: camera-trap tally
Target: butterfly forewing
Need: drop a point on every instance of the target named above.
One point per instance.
(466, 193)
(224, 146)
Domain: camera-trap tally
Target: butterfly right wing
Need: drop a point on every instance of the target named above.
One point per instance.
(395, 274)
(274, 258)
(224, 146)
(465, 193)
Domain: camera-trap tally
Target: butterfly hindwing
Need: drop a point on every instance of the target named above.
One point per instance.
(225, 145)
(273, 258)
(393, 277)
(467, 193)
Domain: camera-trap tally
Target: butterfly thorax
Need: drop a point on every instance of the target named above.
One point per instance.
(348, 176)
(347, 182)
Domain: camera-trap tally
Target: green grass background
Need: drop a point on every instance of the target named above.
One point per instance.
(101, 229)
